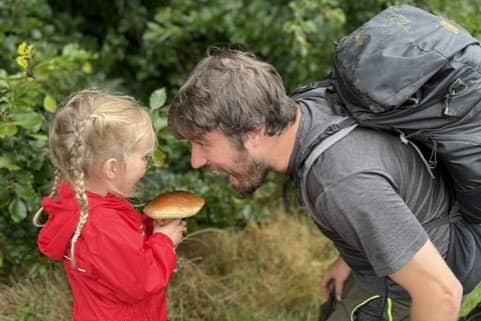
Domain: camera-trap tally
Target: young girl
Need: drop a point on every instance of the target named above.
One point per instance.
(118, 264)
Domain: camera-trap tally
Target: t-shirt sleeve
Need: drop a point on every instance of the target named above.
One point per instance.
(367, 213)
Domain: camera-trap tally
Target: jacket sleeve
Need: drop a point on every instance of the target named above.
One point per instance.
(148, 224)
(131, 265)
(54, 238)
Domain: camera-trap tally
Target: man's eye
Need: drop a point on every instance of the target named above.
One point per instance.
(200, 144)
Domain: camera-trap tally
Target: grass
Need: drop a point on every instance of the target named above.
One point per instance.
(44, 299)
(471, 301)
(260, 273)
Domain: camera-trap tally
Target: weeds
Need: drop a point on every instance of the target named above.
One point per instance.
(260, 273)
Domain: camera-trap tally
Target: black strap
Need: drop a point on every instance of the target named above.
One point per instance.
(452, 217)
(324, 141)
(334, 128)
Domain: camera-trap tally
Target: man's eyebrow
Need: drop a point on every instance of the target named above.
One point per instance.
(199, 139)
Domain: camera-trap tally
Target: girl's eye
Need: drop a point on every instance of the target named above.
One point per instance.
(147, 158)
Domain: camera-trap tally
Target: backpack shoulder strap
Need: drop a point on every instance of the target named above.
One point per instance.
(343, 128)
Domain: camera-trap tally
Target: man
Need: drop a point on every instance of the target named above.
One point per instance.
(370, 193)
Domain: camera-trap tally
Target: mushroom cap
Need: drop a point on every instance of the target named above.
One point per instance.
(177, 204)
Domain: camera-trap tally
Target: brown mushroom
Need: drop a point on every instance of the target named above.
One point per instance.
(174, 205)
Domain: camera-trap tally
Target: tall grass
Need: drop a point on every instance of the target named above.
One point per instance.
(46, 298)
(260, 273)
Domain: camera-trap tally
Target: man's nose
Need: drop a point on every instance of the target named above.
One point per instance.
(197, 157)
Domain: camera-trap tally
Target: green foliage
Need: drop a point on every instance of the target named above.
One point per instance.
(471, 301)
(147, 49)
(36, 75)
(465, 13)
(26, 105)
(295, 36)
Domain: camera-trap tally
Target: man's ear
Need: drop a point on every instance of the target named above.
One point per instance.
(254, 138)
(111, 168)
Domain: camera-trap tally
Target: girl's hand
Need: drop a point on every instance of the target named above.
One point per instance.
(164, 221)
(174, 229)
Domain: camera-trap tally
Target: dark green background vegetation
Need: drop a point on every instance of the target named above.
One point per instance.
(147, 49)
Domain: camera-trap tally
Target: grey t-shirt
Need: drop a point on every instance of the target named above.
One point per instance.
(371, 195)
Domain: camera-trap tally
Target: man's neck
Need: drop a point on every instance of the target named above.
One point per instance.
(280, 148)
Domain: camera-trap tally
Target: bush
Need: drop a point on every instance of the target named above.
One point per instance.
(29, 98)
(64, 53)
(138, 47)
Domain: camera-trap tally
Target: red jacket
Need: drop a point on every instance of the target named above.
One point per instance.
(122, 270)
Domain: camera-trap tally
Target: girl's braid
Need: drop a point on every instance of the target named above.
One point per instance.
(56, 183)
(78, 175)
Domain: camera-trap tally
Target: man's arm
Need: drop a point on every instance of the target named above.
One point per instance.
(335, 278)
(435, 292)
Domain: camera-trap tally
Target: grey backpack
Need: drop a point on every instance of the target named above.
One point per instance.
(417, 74)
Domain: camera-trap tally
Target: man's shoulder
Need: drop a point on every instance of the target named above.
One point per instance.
(365, 147)
(367, 153)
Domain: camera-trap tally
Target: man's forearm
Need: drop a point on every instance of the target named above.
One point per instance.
(435, 291)
(439, 310)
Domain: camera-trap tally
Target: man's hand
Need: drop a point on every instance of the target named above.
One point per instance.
(435, 292)
(335, 278)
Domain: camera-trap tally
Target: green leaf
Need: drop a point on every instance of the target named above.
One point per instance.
(30, 120)
(7, 129)
(6, 162)
(50, 104)
(18, 210)
(87, 68)
(159, 121)
(159, 159)
(3, 79)
(158, 98)
(24, 178)
(24, 191)
(40, 137)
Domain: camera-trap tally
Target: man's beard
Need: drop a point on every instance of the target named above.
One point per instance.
(250, 177)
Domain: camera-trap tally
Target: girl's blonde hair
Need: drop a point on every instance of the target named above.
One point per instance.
(91, 127)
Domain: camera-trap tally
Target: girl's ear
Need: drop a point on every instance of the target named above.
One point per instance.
(111, 168)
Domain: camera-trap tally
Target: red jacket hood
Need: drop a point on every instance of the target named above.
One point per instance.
(55, 236)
